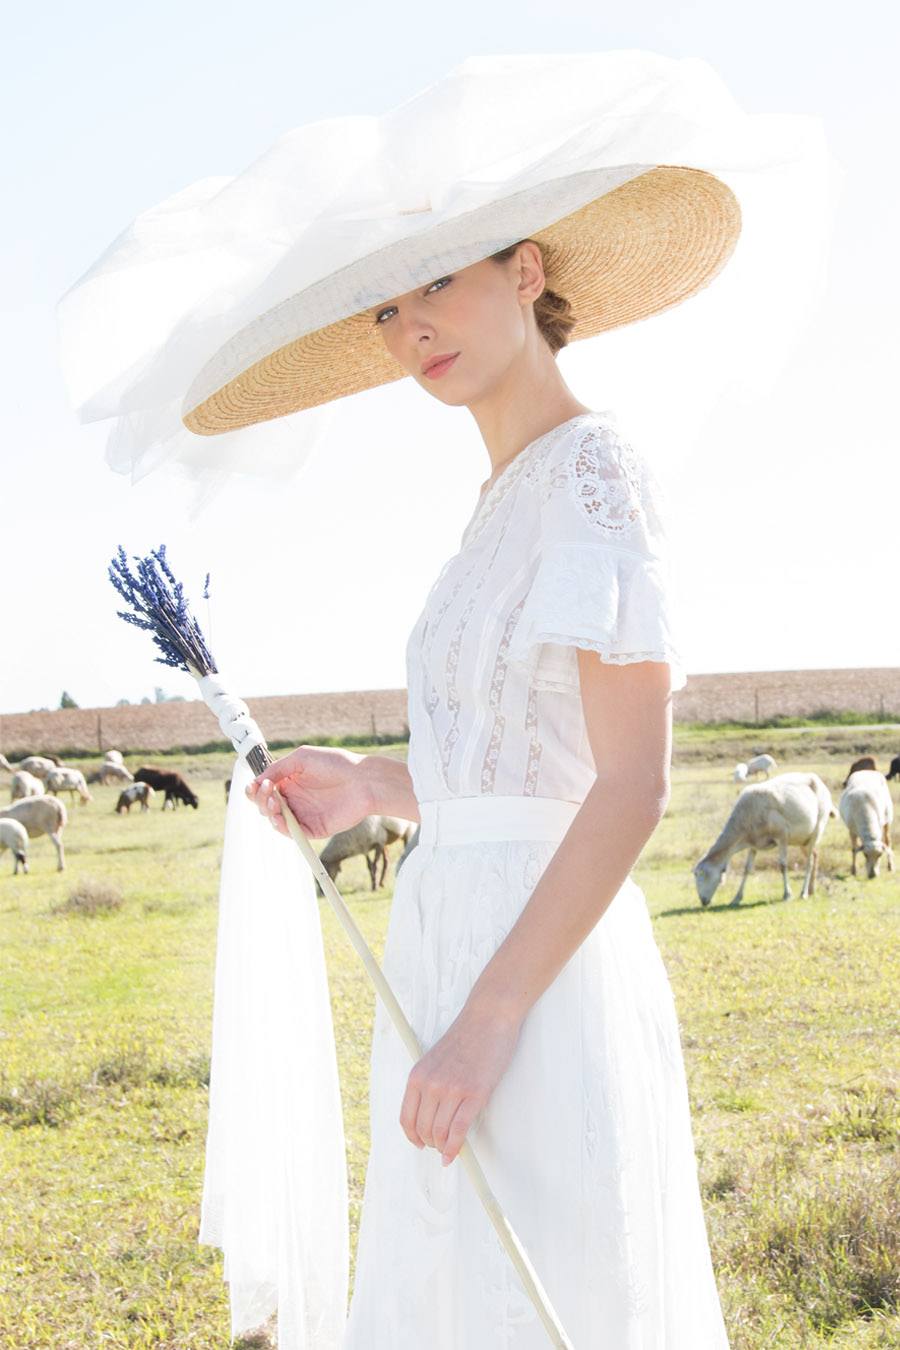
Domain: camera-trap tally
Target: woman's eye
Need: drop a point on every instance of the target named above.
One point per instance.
(382, 313)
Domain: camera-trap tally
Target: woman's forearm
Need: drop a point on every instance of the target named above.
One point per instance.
(602, 844)
(390, 787)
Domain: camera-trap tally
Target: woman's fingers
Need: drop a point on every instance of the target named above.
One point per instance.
(268, 801)
(466, 1113)
(409, 1110)
(286, 767)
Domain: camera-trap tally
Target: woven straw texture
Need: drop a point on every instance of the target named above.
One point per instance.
(642, 246)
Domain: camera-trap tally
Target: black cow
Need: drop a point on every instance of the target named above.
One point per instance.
(894, 770)
(172, 784)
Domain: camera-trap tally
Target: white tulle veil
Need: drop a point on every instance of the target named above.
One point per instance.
(187, 274)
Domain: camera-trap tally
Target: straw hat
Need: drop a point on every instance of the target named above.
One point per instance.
(619, 243)
(220, 332)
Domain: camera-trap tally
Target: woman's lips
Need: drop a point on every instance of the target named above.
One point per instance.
(438, 369)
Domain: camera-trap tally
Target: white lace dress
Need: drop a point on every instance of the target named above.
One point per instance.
(586, 1140)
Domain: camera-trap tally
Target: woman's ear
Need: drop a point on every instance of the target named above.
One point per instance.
(531, 271)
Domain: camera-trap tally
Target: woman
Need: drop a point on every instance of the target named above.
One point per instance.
(540, 674)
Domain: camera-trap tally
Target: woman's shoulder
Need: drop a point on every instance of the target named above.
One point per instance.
(595, 435)
(593, 470)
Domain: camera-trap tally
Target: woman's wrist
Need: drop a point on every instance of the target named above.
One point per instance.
(389, 787)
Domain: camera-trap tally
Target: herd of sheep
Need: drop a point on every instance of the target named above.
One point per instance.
(794, 808)
(35, 807)
(789, 809)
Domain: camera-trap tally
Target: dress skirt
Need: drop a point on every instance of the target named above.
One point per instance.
(586, 1140)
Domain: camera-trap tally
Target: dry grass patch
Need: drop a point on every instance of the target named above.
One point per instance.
(89, 897)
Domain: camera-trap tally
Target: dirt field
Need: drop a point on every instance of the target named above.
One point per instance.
(294, 718)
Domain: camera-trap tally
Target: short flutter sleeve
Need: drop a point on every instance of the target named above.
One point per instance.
(602, 580)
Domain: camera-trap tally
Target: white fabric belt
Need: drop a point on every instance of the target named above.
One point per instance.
(469, 820)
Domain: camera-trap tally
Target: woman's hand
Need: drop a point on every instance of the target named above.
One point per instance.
(324, 787)
(453, 1082)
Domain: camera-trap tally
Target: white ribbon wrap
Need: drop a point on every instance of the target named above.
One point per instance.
(232, 714)
(275, 1195)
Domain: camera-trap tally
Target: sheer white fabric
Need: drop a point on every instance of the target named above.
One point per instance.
(189, 272)
(587, 1139)
(565, 549)
(275, 1185)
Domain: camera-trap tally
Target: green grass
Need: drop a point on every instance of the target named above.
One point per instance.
(789, 1026)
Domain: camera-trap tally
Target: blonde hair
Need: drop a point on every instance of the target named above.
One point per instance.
(552, 312)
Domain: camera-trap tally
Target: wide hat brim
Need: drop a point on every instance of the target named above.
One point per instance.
(620, 244)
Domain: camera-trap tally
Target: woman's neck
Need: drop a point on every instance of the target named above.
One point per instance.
(527, 432)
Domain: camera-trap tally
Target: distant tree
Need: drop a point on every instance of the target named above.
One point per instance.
(160, 696)
(124, 703)
(145, 699)
(67, 701)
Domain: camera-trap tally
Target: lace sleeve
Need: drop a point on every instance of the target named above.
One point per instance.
(602, 580)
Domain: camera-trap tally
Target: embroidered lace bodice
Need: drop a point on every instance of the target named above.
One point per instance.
(565, 549)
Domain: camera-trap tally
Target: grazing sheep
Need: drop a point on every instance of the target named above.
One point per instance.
(867, 810)
(113, 757)
(41, 815)
(411, 843)
(137, 792)
(867, 762)
(394, 829)
(39, 765)
(371, 834)
(68, 780)
(172, 784)
(14, 836)
(792, 808)
(759, 764)
(24, 784)
(110, 772)
(894, 770)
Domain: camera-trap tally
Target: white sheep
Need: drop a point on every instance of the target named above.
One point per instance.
(394, 827)
(411, 843)
(39, 765)
(867, 810)
(371, 834)
(68, 780)
(14, 836)
(137, 792)
(24, 784)
(113, 757)
(763, 764)
(111, 772)
(792, 808)
(41, 815)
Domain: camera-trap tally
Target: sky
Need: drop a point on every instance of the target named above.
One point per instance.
(782, 506)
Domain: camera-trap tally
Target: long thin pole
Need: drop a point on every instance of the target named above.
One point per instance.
(259, 759)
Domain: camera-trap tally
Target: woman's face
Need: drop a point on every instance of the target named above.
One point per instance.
(479, 315)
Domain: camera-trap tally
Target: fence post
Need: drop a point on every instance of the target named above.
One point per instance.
(756, 705)
(99, 733)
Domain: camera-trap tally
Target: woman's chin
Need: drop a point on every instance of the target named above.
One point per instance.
(454, 397)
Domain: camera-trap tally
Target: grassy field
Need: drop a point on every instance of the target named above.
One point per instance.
(789, 1024)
